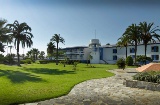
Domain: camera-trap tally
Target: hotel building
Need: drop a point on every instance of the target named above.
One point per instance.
(109, 53)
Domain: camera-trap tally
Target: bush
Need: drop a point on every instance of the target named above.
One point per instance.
(27, 61)
(43, 61)
(8, 59)
(129, 61)
(148, 76)
(121, 63)
(141, 59)
(1, 59)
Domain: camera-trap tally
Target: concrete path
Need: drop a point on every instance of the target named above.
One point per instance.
(106, 91)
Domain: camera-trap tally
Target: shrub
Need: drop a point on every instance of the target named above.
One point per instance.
(8, 59)
(1, 58)
(27, 61)
(129, 61)
(148, 76)
(121, 63)
(43, 61)
(141, 59)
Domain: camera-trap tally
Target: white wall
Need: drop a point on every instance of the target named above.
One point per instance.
(121, 52)
(95, 56)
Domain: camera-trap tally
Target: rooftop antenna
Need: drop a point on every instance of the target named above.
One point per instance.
(95, 34)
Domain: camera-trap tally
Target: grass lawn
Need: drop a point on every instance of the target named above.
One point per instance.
(36, 82)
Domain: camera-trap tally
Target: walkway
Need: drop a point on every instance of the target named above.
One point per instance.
(106, 91)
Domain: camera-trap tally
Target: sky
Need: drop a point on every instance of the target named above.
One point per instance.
(78, 21)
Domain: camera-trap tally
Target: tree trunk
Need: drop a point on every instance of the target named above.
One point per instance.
(145, 45)
(18, 63)
(126, 52)
(135, 51)
(57, 55)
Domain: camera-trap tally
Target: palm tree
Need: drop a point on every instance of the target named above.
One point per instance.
(50, 49)
(4, 38)
(133, 34)
(57, 38)
(35, 53)
(21, 33)
(41, 55)
(123, 42)
(148, 34)
(29, 54)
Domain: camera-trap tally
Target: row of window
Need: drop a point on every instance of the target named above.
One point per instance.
(132, 50)
(154, 57)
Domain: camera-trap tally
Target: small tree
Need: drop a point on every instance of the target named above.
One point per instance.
(129, 61)
(75, 65)
(121, 63)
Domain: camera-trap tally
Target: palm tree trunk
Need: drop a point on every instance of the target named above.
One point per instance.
(145, 45)
(57, 55)
(126, 51)
(135, 58)
(18, 53)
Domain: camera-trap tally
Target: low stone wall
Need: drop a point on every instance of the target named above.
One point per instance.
(142, 85)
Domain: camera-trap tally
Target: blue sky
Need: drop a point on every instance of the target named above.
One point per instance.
(77, 20)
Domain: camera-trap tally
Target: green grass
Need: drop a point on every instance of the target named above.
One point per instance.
(36, 82)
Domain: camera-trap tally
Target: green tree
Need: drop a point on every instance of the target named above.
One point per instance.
(35, 52)
(4, 38)
(123, 42)
(148, 34)
(50, 49)
(29, 54)
(133, 34)
(41, 55)
(21, 33)
(57, 38)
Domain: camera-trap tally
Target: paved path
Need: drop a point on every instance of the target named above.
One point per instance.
(106, 91)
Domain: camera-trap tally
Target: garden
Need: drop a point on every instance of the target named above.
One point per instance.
(35, 82)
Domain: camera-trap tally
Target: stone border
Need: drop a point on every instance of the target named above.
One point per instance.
(142, 85)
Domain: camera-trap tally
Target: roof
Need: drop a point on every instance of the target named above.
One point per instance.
(76, 47)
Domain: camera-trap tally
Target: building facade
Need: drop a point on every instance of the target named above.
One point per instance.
(110, 53)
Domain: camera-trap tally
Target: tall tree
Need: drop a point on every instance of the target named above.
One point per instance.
(50, 49)
(148, 34)
(41, 55)
(4, 38)
(123, 42)
(57, 38)
(21, 33)
(29, 54)
(133, 34)
(35, 53)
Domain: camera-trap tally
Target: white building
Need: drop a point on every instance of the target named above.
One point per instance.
(109, 53)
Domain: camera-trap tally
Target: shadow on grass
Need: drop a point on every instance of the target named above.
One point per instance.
(48, 71)
(19, 77)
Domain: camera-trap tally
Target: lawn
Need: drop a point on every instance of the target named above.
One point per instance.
(36, 82)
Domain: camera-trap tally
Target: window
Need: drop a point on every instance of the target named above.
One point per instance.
(154, 49)
(155, 57)
(114, 50)
(115, 57)
(132, 50)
